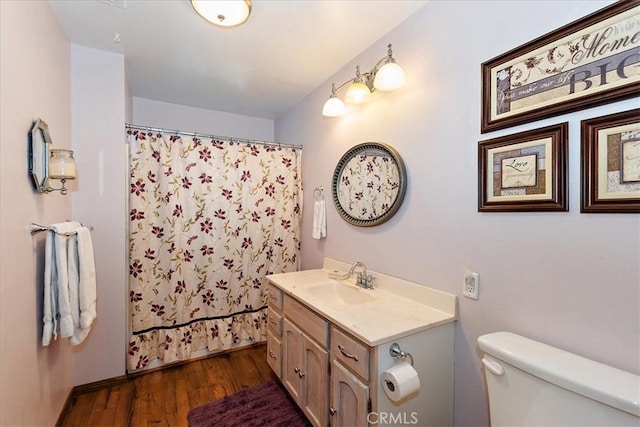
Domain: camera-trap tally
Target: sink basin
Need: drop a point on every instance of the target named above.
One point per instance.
(338, 293)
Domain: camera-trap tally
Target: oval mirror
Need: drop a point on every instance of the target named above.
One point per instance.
(368, 184)
(39, 143)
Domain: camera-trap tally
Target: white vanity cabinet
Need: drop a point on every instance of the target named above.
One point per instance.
(331, 355)
(305, 372)
(350, 401)
(274, 331)
(304, 361)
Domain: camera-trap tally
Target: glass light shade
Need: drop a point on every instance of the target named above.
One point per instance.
(225, 13)
(334, 107)
(389, 77)
(62, 164)
(358, 93)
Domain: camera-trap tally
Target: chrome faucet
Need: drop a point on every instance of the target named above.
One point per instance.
(364, 280)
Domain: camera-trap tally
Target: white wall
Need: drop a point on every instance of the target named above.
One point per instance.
(98, 89)
(147, 112)
(568, 279)
(34, 83)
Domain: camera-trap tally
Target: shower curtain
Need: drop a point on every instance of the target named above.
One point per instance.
(209, 218)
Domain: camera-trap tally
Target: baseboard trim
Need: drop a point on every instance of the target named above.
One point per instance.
(87, 388)
(98, 385)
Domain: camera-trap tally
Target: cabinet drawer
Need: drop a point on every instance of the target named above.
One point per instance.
(274, 354)
(274, 321)
(275, 296)
(351, 352)
(314, 325)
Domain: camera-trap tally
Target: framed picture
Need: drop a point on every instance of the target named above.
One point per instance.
(524, 172)
(610, 163)
(589, 62)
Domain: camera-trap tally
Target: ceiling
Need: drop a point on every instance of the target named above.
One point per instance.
(263, 68)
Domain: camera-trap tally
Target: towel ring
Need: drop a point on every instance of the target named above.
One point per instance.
(319, 192)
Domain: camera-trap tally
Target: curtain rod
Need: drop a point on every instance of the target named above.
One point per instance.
(204, 135)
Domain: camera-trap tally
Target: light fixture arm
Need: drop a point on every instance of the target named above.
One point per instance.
(387, 59)
(335, 89)
(367, 77)
(63, 190)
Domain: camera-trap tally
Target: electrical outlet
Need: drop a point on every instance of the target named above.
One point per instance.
(470, 287)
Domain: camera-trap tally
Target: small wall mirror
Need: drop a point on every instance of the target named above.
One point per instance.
(39, 145)
(369, 184)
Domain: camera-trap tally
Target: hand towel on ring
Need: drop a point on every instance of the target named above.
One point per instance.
(319, 219)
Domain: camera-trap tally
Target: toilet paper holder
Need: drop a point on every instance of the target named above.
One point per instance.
(396, 352)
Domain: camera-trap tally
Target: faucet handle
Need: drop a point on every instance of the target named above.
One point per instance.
(369, 281)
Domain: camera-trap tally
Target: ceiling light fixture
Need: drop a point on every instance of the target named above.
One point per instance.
(224, 13)
(385, 76)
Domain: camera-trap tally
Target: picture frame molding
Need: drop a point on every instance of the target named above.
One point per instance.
(551, 109)
(558, 199)
(589, 164)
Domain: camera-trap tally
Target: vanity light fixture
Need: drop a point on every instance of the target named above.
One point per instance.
(334, 107)
(46, 163)
(358, 92)
(224, 13)
(62, 166)
(385, 76)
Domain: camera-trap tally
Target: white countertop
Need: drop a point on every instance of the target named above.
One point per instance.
(397, 308)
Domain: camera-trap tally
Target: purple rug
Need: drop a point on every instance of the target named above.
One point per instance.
(264, 405)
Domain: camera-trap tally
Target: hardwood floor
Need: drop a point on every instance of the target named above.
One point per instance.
(164, 397)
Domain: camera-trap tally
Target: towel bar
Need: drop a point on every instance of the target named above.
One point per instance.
(36, 228)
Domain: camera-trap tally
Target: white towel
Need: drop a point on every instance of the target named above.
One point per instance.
(74, 290)
(83, 298)
(319, 219)
(88, 293)
(56, 308)
(50, 300)
(65, 272)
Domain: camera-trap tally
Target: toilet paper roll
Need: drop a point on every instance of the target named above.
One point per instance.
(400, 381)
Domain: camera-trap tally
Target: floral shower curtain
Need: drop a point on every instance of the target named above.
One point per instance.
(208, 220)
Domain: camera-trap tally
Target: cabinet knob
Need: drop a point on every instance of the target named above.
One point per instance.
(273, 356)
(333, 411)
(296, 370)
(300, 374)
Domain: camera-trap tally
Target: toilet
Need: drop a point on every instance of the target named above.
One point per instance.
(533, 384)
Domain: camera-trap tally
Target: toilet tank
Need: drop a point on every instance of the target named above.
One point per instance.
(533, 384)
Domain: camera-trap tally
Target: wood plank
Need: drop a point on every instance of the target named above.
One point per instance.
(165, 397)
(123, 412)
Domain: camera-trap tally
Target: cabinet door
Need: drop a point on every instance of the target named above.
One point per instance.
(274, 356)
(349, 398)
(315, 388)
(292, 358)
